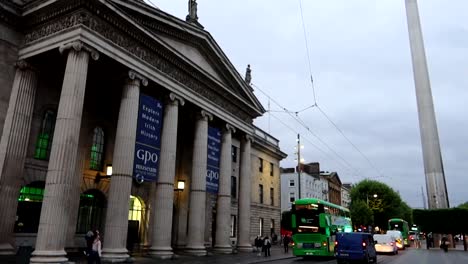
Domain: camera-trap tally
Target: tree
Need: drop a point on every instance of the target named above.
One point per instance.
(386, 205)
(361, 214)
(463, 205)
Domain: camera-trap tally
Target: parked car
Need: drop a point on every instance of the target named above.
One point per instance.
(398, 238)
(355, 246)
(385, 244)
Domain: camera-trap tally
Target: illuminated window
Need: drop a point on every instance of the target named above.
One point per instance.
(261, 227)
(44, 139)
(29, 207)
(97, 149)
(136, 209)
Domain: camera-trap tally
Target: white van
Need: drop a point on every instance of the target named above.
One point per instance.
(398, 238)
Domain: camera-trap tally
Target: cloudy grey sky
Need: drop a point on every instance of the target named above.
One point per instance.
(361, 64)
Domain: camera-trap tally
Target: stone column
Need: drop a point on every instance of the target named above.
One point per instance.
(223, 205)
(115, 230)
(13, 146)
(54, 221)
(196, 225)
(245, 192)
(164, 196)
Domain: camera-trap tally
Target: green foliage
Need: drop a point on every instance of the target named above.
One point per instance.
(445, 221)
(463, 205)
(361, 214)
(388, 203)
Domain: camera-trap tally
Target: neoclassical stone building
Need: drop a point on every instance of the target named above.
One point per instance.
(106, 108)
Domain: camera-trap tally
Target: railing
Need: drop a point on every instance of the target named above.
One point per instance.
(265, 136)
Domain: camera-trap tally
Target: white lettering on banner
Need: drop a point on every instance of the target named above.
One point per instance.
(147, 156)
(148, 135)
(214, 158)
(144, 168)
(212, 175)
(215, 139)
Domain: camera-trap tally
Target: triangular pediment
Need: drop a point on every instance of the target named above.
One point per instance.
(194, 55)
(194, 46)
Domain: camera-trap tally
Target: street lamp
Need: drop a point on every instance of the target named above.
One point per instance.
(367, 197)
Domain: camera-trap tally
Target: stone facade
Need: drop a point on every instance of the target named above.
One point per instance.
(73, 99)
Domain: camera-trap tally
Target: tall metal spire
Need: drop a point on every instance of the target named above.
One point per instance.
(434, 170)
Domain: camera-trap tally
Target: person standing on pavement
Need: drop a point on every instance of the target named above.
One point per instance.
(267, 245)
(95, 256)
(286, 241)
(258, 245)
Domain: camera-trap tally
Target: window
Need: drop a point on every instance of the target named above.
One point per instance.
(233, 187)
(233, 226)
(44, 139)
(260, 168)
(272, 196)
(28, 212)
(271, 169)
(97, 149)
(260, 193)
(260, 233)
(291, 183)
(234, 153)
(272, 227)
(292, 197)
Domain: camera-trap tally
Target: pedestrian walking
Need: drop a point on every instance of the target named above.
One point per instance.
(258, 245)
(89, 237)
(286, 241)
(267, 246)
(444, 243)
(95, 255)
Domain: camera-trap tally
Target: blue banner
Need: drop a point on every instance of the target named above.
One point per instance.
(213, 160)
(148, 139)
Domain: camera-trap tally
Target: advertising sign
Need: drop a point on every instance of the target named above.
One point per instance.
(148, 139)
(213, 159)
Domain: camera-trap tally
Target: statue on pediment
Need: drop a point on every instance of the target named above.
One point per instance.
(192, 8)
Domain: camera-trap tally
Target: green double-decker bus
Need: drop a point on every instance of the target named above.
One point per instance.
(402, 226)
(314, 225)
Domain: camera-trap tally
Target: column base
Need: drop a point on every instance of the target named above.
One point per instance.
(161, 252)
(223, 249)
(7, 249)
(196, 251)
(115, 255)
(245, 248)
(48, 256)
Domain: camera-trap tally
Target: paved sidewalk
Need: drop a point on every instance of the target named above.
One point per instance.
(277, 253)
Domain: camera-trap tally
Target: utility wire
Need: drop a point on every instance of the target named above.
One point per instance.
(350, 142)
(307, 50)
(303, 124)
(346, 165)
(315, 101)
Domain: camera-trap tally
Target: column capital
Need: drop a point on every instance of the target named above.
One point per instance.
(176, 99)
(78, 45)
(229, 128)
(205, 115)
(249, 138)
(24, 65)
(133, 75)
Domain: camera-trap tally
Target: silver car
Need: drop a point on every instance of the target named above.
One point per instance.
(385, 244)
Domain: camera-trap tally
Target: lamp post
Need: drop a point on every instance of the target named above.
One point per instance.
(367, 197)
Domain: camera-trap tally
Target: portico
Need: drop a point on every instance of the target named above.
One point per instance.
(74, 107)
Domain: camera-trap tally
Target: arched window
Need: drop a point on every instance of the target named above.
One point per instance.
(97, 149)
(44, 139)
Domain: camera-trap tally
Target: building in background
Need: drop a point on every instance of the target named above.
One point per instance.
(334, 186)
(119, 116)
(346, 195)
(312, 184)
